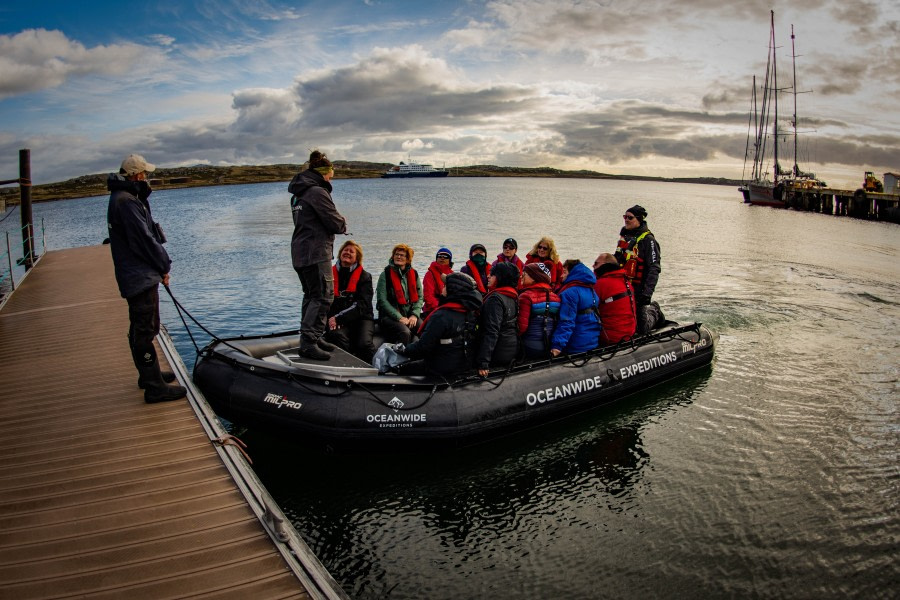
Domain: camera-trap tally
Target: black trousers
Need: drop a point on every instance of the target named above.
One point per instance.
(143, 316)
(317, 282)
(355, 338)
(395, 332)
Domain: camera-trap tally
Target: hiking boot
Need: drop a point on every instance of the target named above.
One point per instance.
(314, 352)
(326, 346)
(163, 392)
(167, 376)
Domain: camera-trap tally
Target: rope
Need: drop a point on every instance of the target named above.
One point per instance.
(214, 337)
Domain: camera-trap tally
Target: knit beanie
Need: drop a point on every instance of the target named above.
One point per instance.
(477, 247)
(538, 271)
(638, 211)
(459, 283)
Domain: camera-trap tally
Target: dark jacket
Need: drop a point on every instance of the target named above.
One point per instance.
(316, 219)
(647, 254)
(446, 341)
(578, 328)
(136, 243)
(351, 307)
(499, 342)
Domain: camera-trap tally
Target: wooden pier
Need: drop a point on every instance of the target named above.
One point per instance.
(104, 496)
(853, 203)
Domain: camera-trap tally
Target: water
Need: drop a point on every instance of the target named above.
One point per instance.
(773, 473)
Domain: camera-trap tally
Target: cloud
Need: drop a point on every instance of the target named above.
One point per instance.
(37, 59)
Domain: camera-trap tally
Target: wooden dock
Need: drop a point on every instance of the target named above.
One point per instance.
(104, 496)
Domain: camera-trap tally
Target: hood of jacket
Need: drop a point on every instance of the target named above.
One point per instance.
(306, 179)
(471, 299)
(582, 273)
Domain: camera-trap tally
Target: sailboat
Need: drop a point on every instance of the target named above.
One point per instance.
(759, 189)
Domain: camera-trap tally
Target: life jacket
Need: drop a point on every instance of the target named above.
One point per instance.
(455, 307)
(436, 272)
(351, 285)
(397, 286)
(542, 321)
(634, 263)
(476, 275)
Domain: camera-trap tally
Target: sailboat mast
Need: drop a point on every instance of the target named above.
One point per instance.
(775, 93)
(794, 65)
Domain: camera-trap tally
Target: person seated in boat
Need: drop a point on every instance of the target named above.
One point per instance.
(477, 268)
(544, 251)
(433, 281)
(617, 308)
(399, 297)
(508, 254)
(351, 318)
(446, 337)
(538, 311)
(578, 328)
(497, 322)
(639, 254)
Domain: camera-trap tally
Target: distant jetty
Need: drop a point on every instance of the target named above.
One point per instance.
(205, 175)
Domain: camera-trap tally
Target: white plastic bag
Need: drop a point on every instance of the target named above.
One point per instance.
(386, 358)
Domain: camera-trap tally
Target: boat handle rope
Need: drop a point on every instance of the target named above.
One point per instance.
(386, 405)
(180, 308)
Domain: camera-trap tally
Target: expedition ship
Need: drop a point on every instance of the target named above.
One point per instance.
(412, 169)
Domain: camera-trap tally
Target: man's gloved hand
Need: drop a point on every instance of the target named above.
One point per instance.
(642, 300)
(399, 348)
(143, 189)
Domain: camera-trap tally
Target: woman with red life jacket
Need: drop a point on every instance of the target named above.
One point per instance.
(350, 318)
(639, 254)
(477, 268)
(508, 254)
(544, 251)
(497, 322)
(578, 329)
(433, 281)
(447, 334)
(617, 309)
(399, 297)
(538, 311)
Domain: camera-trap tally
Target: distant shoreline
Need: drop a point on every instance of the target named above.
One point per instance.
(203, 176)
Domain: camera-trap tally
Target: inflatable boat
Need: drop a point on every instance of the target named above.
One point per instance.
(263, 384)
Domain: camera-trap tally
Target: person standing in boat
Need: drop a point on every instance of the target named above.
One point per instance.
(477, 268)
(578, 329)
(617, 308)
(639, 254)
(141, 264)
(447, 334)
(433, 281)
(399, 297)
(508, 254)
(544, 251)
(497, 322)
(350, 317)
(538, 311)
(316, 221)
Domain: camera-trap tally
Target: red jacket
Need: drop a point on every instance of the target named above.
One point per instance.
(617, 314)
(433, 285)
(535, 293)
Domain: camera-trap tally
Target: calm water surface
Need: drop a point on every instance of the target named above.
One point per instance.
(773, 473)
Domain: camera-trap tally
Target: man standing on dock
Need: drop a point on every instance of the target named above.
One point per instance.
(141, 264)
(316, 221)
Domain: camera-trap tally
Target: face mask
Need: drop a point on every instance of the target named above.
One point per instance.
(479, 259)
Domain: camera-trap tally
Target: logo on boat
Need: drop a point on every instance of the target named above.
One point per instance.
(397, 420)
(396, 403)
(562, 391)
(646, 365)
(691, 347)
(281, 401)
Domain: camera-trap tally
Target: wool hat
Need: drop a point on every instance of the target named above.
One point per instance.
(135, 163)
(507, 274)
(511, 241)
(459, 283)
(538, 271)
(638, 211)
(477, 247)
(444, 251)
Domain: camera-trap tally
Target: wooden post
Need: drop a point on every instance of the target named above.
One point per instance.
(25, 208)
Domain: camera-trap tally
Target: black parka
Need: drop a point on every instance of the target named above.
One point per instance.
(498, 331)
(316, 219)
(446, 342)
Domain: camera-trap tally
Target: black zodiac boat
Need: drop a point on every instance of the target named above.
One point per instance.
(262, 383)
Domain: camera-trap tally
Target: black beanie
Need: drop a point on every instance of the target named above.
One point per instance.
(507, 274)
(459, 283)
(639, 211)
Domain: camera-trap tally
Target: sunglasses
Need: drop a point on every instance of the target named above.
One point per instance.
(443, 256)
(543, 247)
(508, 247)
(628, 217)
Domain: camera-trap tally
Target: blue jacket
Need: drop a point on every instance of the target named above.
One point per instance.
(578, 328)
(136, 242)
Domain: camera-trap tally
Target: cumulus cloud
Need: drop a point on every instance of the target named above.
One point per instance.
(37, 59)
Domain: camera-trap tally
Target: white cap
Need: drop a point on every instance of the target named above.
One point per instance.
(135, 163)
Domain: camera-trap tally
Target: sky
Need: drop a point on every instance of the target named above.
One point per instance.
(655, 87)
